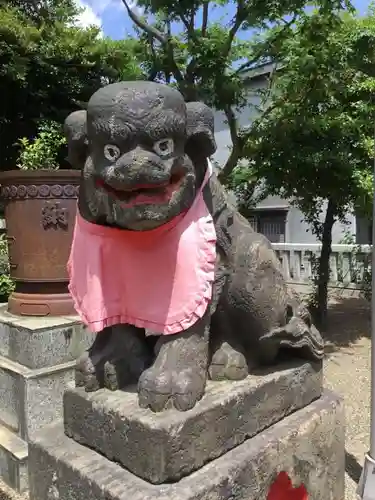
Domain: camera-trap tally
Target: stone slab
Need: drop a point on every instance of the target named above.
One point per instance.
(30, 399)
(169, 445)
(40, 342)
(309, 445)
(13, 460)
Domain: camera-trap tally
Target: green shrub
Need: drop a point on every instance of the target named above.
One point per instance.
(366, 289)
(7, 285)
(41, 153)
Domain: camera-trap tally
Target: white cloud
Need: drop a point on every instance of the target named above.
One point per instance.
(93, 11)
(99, 6)
(89, 16)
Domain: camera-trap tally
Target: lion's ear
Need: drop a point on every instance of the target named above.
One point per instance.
(75, 131)
(200, 129)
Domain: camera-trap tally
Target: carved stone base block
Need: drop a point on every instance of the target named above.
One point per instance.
(37, 365)
(166, 446)
(308, 445)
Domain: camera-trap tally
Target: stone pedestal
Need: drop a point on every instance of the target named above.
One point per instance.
(37, 362)
(230, 446)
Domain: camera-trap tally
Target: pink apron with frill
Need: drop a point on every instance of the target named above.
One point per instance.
(160, 280)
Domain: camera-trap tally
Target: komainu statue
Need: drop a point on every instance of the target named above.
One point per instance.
(175, 281)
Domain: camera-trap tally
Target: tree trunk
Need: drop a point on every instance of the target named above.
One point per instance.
(237, 146)
(321, 308)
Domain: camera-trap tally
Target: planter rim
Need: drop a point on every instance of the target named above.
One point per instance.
(35, 175)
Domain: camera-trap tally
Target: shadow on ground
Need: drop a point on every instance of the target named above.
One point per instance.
(349, 319)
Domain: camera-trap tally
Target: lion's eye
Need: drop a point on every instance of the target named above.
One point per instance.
(165, 147)
(111, 152)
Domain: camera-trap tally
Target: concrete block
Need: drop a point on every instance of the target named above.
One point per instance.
(13, 460)
(30, 399)
(40, 342)
(9, 397)
(308, 445)
(169, 445)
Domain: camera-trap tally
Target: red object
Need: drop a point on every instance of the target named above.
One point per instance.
(282, 489)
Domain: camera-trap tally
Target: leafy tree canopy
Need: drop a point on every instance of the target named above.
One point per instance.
(44, 11)
(187, 43)
(48, 66)
(315, 140)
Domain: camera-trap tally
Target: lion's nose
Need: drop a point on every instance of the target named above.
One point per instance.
(135, 169)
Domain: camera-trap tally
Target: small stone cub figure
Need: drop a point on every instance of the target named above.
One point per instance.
(144, 155)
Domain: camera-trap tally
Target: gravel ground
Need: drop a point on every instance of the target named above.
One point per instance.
(347, 371)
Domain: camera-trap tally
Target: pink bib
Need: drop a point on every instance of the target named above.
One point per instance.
(160, 280)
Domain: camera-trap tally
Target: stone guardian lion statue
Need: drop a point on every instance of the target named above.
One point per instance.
(175, 281)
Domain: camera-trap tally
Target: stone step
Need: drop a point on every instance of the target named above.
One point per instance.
(38, 342)
(13, 460)
(169, 445)
(32, 398)
(309, 445)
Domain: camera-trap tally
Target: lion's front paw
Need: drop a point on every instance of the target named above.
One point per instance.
(162, 388)
(88, 375)
(117, 358)
(228, 364)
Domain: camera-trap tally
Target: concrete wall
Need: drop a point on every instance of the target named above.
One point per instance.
(363, 231)
(245, 117)
(297, 231)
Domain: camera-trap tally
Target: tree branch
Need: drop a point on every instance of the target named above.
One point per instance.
(267, 45)
(169, 28)
(271, 81)
(192, 20)
(190, 71)
(205, 18)
(151, 30)
(190, 28)
(188, 23)
(238, 20)
(165, 40)
(237, 146)
(154, 71)
(185, 22)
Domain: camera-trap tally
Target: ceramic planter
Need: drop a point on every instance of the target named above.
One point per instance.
(40, 209)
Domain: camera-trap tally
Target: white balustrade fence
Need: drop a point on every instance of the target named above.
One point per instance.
(348, 263)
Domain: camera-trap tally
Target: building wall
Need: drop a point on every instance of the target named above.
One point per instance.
(296, 230)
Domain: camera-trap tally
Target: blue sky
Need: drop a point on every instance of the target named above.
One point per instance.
(112, 17)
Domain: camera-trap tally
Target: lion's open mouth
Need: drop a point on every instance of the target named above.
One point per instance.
(144, 194)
